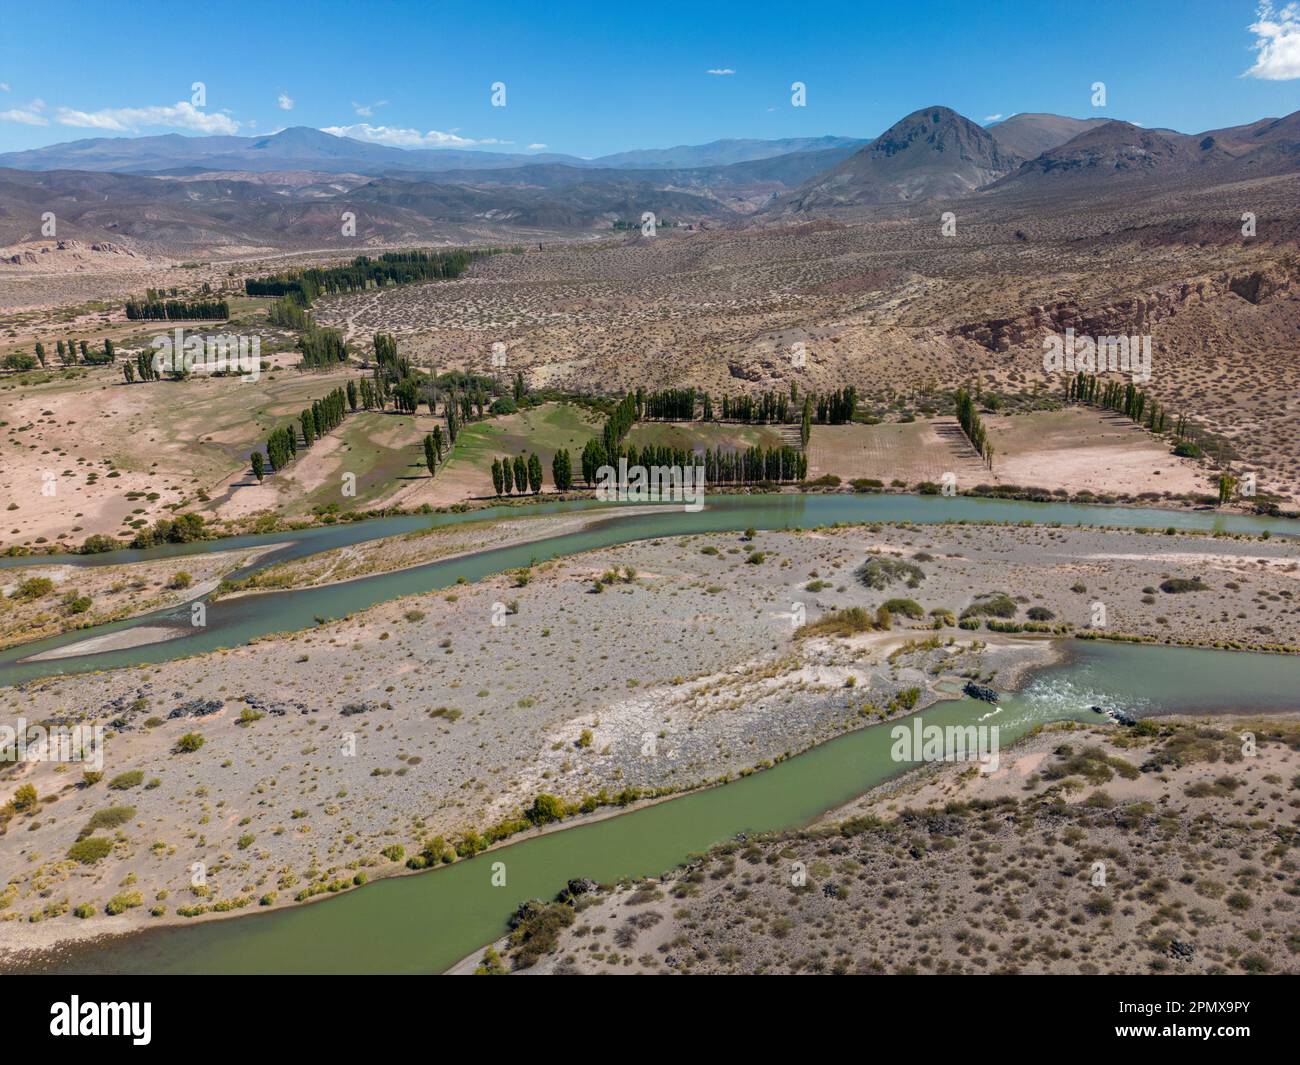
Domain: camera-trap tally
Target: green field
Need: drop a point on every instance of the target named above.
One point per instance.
(382, 449)
(700, 436)
(544, 429)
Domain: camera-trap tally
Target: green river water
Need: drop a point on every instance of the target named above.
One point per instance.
(425, 922)
(235, 621)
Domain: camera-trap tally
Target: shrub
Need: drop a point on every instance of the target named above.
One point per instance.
(1175, 585)
(879, 572)
(88, 851)
(545, 809)
(180, 579)
(25, 798)
(839, 623)
(189, 743)
(995, 605)
(394, 853)
(121, 903)
(84, 910)
(1040, 613)
(109, 817)
(536, 929)
(907, 607)
(124, 781)
(33, 588)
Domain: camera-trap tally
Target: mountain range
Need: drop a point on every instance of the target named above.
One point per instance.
(303, 148)
(288, 189)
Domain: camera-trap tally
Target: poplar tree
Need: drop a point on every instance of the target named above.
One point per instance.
(562, 470)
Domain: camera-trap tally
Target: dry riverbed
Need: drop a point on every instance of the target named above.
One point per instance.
(421, 717)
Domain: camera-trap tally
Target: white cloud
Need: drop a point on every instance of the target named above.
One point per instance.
(993, 118)
(1277, 40)
(367, 110)
(27, 116)
(721, 72)
(182, 115)
(537, 147)
(4, 86)
(284, 102)
(394, 137)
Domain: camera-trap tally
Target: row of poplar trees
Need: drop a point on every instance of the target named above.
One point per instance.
(969, 419)
(517, 475)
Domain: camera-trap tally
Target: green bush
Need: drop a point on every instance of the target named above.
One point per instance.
(25, 798)
(121, 903)
(32, 588)
(109, 817)
(124, 781)
(995, 605)
(907, 607)
(879, 572)
(189, 743)
(545, 809)
(88, 851)
(1175, 585)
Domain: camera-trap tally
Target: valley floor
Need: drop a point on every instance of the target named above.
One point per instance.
(421, 717)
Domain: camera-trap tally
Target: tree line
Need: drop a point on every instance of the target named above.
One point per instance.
(314, 422)
(321, 347)
(391, 268)
(518, 474)
(176, 310)
(969, 420)
(68, 352)
(1124, 397)
(766, 408)
(721, 466)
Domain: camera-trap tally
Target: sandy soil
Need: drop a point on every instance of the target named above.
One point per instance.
(1076, 450)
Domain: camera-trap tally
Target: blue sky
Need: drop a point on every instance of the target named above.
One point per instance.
(588, 79)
